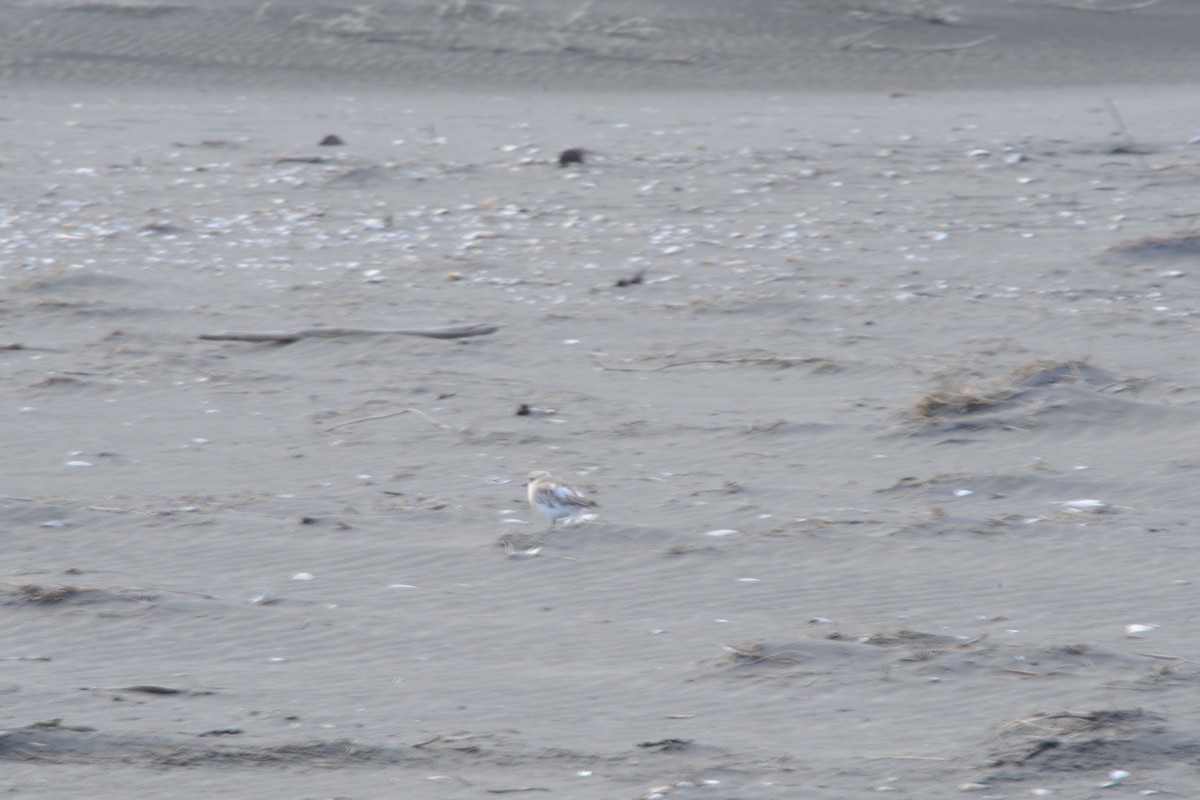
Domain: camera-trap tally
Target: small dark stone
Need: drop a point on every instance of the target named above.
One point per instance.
(572, 155)
(524, 410)
(633, 280)
(308, 520)
(163, 229)
(332, 140)
(222, 732)
(666, 745)
(303, 160)
(1129, 150)
(150, 688)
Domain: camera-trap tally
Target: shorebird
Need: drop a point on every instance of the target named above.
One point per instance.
(556, 498)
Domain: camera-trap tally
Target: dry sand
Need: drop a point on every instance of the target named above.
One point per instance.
(892, 440)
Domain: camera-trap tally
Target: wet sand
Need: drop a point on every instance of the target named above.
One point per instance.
(885, 381)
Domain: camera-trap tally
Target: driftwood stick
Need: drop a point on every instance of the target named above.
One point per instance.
(418, 412)
(864, 44)
(782, 361)
(1117, 10)
(1130, 145)
(448, 332)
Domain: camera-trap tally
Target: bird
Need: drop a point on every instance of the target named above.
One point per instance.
(556, 499)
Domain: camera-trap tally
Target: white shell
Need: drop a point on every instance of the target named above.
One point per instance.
(1083, 505)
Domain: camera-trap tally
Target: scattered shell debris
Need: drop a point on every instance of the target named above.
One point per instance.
(512, 551)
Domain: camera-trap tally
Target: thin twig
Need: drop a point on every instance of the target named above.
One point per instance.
(785, 361)
(517, 790)
(1128, 686)
(750, 656)
(1025, 672)
(849, 42)
(1130, 144)
(936, 48)
(418, 412)
(450, 332)
(1167, 658)
(1131, 7)
(426, 742)
(858, 41)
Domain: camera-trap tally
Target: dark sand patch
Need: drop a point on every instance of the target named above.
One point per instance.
(1039, 393)
(1095, 742)
(1181, 247)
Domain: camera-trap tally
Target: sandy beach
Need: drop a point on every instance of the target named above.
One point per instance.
(870, 327)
